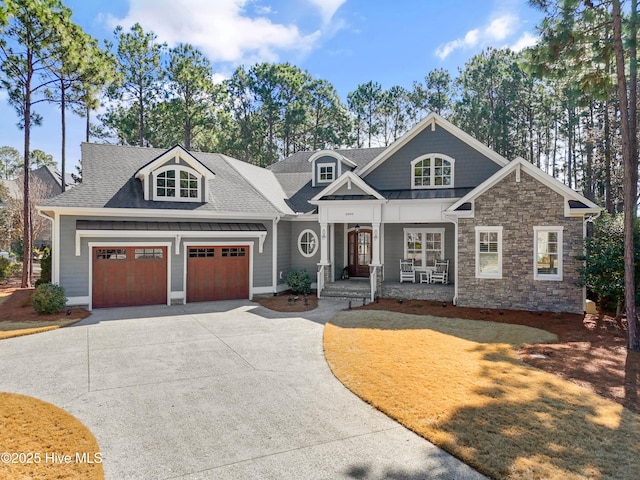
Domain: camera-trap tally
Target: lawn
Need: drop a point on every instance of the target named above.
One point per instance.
(460, 384)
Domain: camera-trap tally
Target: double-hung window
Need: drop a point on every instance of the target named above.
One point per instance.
(547, 253)
(424, 246)
(488, 252)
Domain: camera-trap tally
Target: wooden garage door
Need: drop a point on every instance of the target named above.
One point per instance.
(217, 273)
(126, 276)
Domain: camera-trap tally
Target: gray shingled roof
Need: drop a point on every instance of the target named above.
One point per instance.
(299, 161)
(108, 181)
(169, 226)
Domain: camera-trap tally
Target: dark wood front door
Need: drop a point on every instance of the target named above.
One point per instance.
(359, 252)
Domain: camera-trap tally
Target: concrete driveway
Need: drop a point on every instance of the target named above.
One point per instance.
(223, 390)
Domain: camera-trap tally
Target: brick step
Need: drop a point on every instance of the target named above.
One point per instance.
(347, 289)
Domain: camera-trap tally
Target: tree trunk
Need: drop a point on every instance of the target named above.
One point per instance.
(27, 262)
(628, 116)
(64, 134)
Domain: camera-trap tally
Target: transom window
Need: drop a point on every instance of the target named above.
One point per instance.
(177, 184)
(432, 171)
(326, 172)
(111, 253)
(141, 253)
(424, 245)
(489, 252)
(308, 243)
(547, 251)
(234, 252)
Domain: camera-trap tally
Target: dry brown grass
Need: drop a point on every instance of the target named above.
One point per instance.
(31, 426)
(460, 384)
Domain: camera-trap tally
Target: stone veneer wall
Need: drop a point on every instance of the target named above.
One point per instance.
(518, 207)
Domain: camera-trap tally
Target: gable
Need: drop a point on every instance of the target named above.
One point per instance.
(471, 166)
(348, 187)
(175, 175)
(571, 203)
(327, 166)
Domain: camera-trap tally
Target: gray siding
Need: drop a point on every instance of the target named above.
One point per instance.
(471, 167)
(310, 264)
(284, 250)
(394, 247)
(74, 271)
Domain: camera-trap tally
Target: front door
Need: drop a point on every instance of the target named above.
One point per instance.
(359, 252)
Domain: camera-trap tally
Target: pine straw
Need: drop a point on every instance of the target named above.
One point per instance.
(29, 425)
(459, 384)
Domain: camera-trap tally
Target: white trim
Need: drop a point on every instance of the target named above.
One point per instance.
(423, 268)
(78, 301)
(274, 255)
(177, 236)
(432, 176)
(488, 229)
(320, 166)
(547, 276)
(220, 244)
(92, 245)
(315, 239)
(431, 120)
(342, 180)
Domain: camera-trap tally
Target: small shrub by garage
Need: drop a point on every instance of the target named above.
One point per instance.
(48, 298)
(299, 281)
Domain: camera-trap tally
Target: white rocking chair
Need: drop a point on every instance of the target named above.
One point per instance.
(407, 271)
(441, 273)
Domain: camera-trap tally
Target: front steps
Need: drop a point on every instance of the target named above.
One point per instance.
(359, 288)
(352, 288)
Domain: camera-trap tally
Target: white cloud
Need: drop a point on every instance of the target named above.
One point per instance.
(498, 29)
(327, 8)
(525, 40)
(222, 29)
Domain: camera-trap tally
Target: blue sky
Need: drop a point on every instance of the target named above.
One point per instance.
(347, 42)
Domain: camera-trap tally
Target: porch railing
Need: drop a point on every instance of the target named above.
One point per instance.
(320, 280)
(373, 279)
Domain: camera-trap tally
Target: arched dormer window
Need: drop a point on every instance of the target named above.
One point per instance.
(433, 170)
(177, 183)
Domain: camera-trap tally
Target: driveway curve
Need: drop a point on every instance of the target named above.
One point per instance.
(220, 390)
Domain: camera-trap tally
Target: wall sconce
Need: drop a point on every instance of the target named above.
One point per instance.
(375, 234)
(324, 233)
(357, 228)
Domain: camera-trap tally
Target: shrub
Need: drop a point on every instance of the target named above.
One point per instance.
(299, 281)
(48, 298)
(5, 268)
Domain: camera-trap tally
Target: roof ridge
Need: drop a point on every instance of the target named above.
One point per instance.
(227, 159)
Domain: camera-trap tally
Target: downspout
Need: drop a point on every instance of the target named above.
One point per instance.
(55, 256)
(454, 219)
(274, 255)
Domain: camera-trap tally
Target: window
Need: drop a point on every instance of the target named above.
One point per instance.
(177, 184)
(547, 253)
(326, 172)
(432, 171)
(488, 252)
(424, 246)
(308, 243)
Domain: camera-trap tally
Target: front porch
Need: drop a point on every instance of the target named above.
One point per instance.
(361, 288)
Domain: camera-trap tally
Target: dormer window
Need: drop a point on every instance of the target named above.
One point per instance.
(177, 183)
(432, 171)
(326, 172)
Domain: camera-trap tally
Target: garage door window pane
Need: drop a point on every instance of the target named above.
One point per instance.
(201, 252)
(111, 253)
(148, 253)
(233, 252)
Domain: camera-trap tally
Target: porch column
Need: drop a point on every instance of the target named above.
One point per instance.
(375, 244)
(324, 244)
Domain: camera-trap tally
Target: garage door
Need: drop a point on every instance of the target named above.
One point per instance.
(127, 276)
(217, 273)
